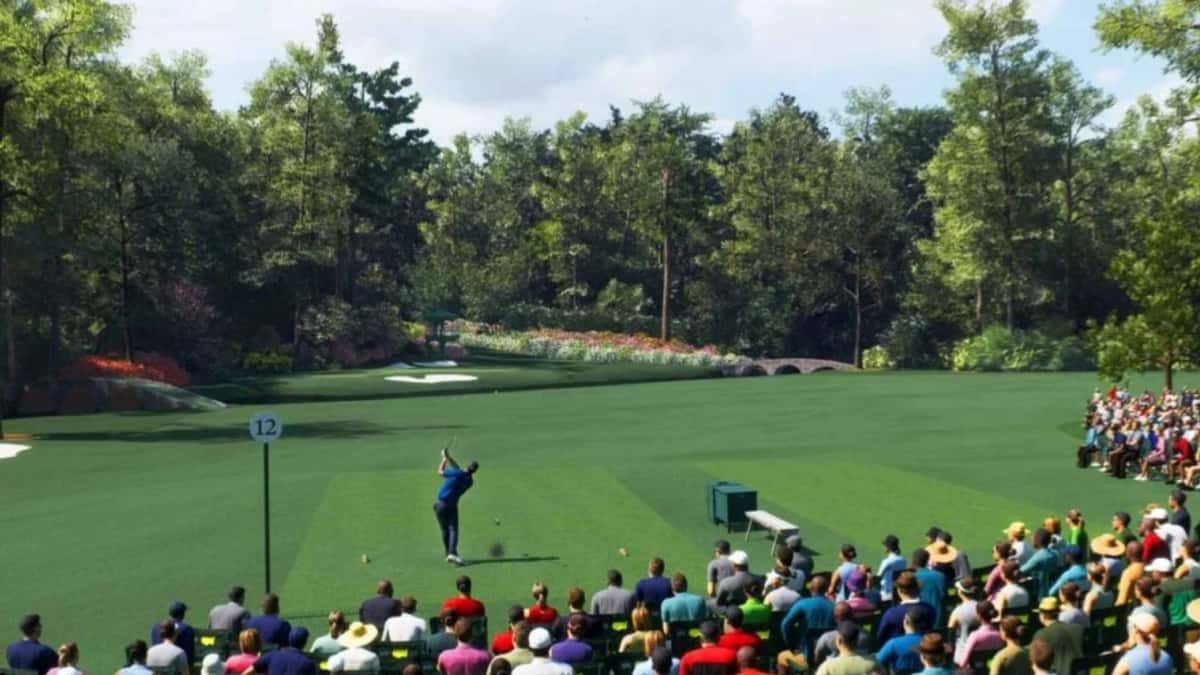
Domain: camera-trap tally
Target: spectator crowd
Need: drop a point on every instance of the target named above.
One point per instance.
(1053, 599)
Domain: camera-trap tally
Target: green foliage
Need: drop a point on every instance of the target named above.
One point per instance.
(271, 362)
(877, 358)
(999, 349)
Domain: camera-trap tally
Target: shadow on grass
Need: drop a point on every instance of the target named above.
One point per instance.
(223, 434)
(524, 559)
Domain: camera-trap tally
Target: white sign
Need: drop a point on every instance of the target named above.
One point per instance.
(266, 427)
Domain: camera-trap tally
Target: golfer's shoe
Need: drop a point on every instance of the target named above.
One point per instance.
(450, 558)
(456, 560)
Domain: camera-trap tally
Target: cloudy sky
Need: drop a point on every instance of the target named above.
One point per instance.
(476, 62)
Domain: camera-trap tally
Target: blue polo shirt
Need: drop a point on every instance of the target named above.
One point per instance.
(651, 591)
(1041, 567)
(1075, 573)
(31, 655)
(933, 591)
(684, 607)
(817, 612)
(286, 661)
(900, 653)
(455, 484)
(271, 628)
(892, 564)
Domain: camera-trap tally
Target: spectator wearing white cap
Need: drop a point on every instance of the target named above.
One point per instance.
(1146, 657)
(540, 642)
(1174, 535)
(356, 658)
(780, 597)
(731, 592)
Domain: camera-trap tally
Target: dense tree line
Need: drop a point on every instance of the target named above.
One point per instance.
(136, 217)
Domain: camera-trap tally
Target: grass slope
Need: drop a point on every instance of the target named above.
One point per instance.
(110, 517)
(494, 370)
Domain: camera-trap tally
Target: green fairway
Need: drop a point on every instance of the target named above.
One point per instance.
(110, 517)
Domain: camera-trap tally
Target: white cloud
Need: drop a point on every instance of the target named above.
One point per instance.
(475, 62)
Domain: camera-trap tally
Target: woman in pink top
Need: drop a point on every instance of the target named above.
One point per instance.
(250, 644)
(1000, 552)
(856, 583)
(986, 638)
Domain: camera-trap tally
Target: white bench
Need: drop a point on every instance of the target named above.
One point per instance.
(772, 523)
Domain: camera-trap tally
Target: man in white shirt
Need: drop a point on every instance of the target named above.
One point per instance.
(407, 627)
(1021, 551)
(356, 658)
(539, 643)
(1174, 535)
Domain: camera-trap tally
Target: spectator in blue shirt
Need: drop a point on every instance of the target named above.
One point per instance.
(455, 483)
(683, 606)
(849, 563)
(29, 654)
(289, 660)
(655, 588)
(932, 582)
(270, 627)
(908, 590)
(899, 653)
(1044, 563)
(815, 611)
(893, 564)
(1075, 571)
(185, 637)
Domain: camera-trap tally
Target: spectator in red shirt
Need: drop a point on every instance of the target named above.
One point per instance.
(708, 658)
(747, 661)
(503, 642)
(463, 604)
(541, 613)
(1181, 458)
(1153, 546)
(735, 636)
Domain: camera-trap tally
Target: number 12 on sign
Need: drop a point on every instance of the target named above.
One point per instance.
(266, 427)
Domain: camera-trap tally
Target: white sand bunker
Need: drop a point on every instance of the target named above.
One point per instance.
(431, 379)
(10, 450)
(436, 364)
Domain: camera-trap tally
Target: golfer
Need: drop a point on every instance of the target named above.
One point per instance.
(456, 482)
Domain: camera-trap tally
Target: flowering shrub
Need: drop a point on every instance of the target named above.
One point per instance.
(598, 347)
(148, 366)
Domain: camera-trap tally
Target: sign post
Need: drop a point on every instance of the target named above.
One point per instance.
(264, 428)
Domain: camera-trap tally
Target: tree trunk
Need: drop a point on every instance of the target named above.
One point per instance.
(1008, 307)
(857, 317)
(126, 323)
(665, 329)
(4, 279)
(1169, 373)
(979, 305)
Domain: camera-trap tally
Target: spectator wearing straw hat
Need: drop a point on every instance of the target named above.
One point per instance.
(1016, 533)
(947, 559)
(356, 657)
(932, 652)
(1112, 553)
(540, 642)
(1065, 639)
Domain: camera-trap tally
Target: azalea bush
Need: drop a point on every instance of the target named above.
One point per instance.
(594, 346)
(146, 365)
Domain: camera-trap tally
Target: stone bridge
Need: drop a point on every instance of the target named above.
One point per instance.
(783, 366)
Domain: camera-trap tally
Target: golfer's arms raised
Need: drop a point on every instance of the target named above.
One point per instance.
(447, 460)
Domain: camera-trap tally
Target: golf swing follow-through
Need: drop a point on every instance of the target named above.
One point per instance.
(456, 481)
